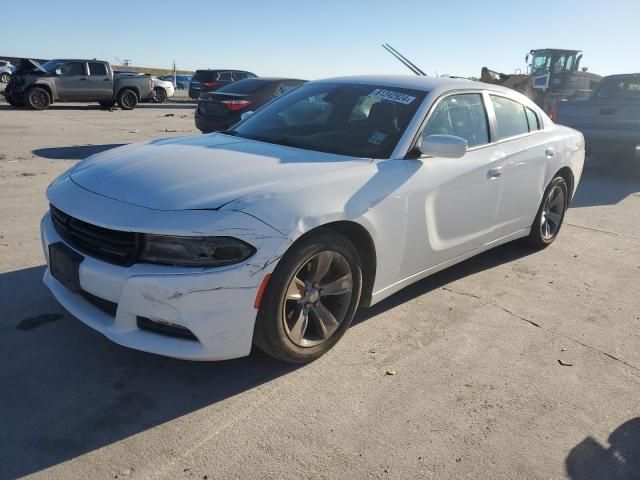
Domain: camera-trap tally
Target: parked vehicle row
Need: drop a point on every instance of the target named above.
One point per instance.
(222, 108)
(211, 80)
(64, 80)
(162, 89)
(333, 196)
(180, 82)
(610, 118)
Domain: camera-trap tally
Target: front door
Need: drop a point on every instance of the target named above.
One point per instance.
(72, 83)
(453, 201)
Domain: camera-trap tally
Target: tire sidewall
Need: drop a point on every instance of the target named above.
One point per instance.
(31, 92)
(163, 95)
(269, 333)
(536, 237)
(122, 95)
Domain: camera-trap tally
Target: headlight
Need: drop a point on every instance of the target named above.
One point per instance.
(195, 251)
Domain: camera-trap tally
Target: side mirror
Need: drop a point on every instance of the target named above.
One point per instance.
(58, 71)
(446, 146)
(246, 115)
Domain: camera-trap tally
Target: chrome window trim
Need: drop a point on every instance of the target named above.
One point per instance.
(489, 110)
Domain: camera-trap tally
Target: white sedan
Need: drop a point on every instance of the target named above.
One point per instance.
(332, 197)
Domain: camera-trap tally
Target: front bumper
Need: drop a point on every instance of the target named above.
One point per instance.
(216, 305)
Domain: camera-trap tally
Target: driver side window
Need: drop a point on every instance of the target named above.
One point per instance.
(73, 69)
(461, 115)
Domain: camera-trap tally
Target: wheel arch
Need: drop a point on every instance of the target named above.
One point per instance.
(567, 175)
(362, 241)
(133, 88)
(44, 86)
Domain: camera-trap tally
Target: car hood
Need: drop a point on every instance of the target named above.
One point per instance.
(28, 65)
(200, 172)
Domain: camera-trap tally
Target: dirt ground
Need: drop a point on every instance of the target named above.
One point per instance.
(514, 364)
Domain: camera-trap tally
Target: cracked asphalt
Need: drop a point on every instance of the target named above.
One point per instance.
(514, 364)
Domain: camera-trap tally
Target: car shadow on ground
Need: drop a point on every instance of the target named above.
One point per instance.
(67, 390)
(77, 152)
(606, 183)
(620, 460)
(485, 261)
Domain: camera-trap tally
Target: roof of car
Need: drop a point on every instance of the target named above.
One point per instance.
(276, 79)
(416, 82)
(221, 70)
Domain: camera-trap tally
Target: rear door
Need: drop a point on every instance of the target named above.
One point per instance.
(452, 201)
(526, 150)
(100, 82)
(72, 84)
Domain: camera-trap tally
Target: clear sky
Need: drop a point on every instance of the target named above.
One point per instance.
(317, 39)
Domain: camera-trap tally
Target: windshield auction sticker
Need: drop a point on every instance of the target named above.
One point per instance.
(392, 96)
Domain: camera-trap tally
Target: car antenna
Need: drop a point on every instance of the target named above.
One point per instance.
(411, 66)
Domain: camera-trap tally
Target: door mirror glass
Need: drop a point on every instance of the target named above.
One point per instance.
(246, 115)
(446, 146)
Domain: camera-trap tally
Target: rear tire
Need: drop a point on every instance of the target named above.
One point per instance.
(548, 221)
(107, 104)
(127, 99)
(37, 98)
(299, 293)
(159, 95)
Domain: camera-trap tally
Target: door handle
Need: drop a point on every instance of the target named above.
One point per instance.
(494, 172)
(550, 152)
(106, 80)
(82, 79)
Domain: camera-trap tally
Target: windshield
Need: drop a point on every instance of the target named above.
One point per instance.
(51, 65)
(345, 119)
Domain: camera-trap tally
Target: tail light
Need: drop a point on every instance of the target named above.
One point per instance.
(554, 114)
(235, 105)
(209, 84)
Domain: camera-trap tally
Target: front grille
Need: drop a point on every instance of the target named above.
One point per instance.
(112, 246)
(110, 308)
(164, 328)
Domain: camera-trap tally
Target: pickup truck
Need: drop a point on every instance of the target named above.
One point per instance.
(38, 85)
(609, 119)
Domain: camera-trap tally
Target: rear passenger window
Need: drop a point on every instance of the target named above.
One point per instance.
(461, 115)
(532, 118)
(510, 117)
(224, 77)
(239, 76)
(97, 69)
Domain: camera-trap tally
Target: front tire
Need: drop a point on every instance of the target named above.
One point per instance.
(548, 221)
(127, 99)
(311, 298)
(159, 95)
(37, 98)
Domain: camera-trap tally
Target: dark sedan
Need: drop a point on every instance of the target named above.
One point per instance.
(220, 109)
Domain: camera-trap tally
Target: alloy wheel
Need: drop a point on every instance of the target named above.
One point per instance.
(317, 299)
(552, 212)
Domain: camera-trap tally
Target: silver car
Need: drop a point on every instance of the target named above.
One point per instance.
(6, 69)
